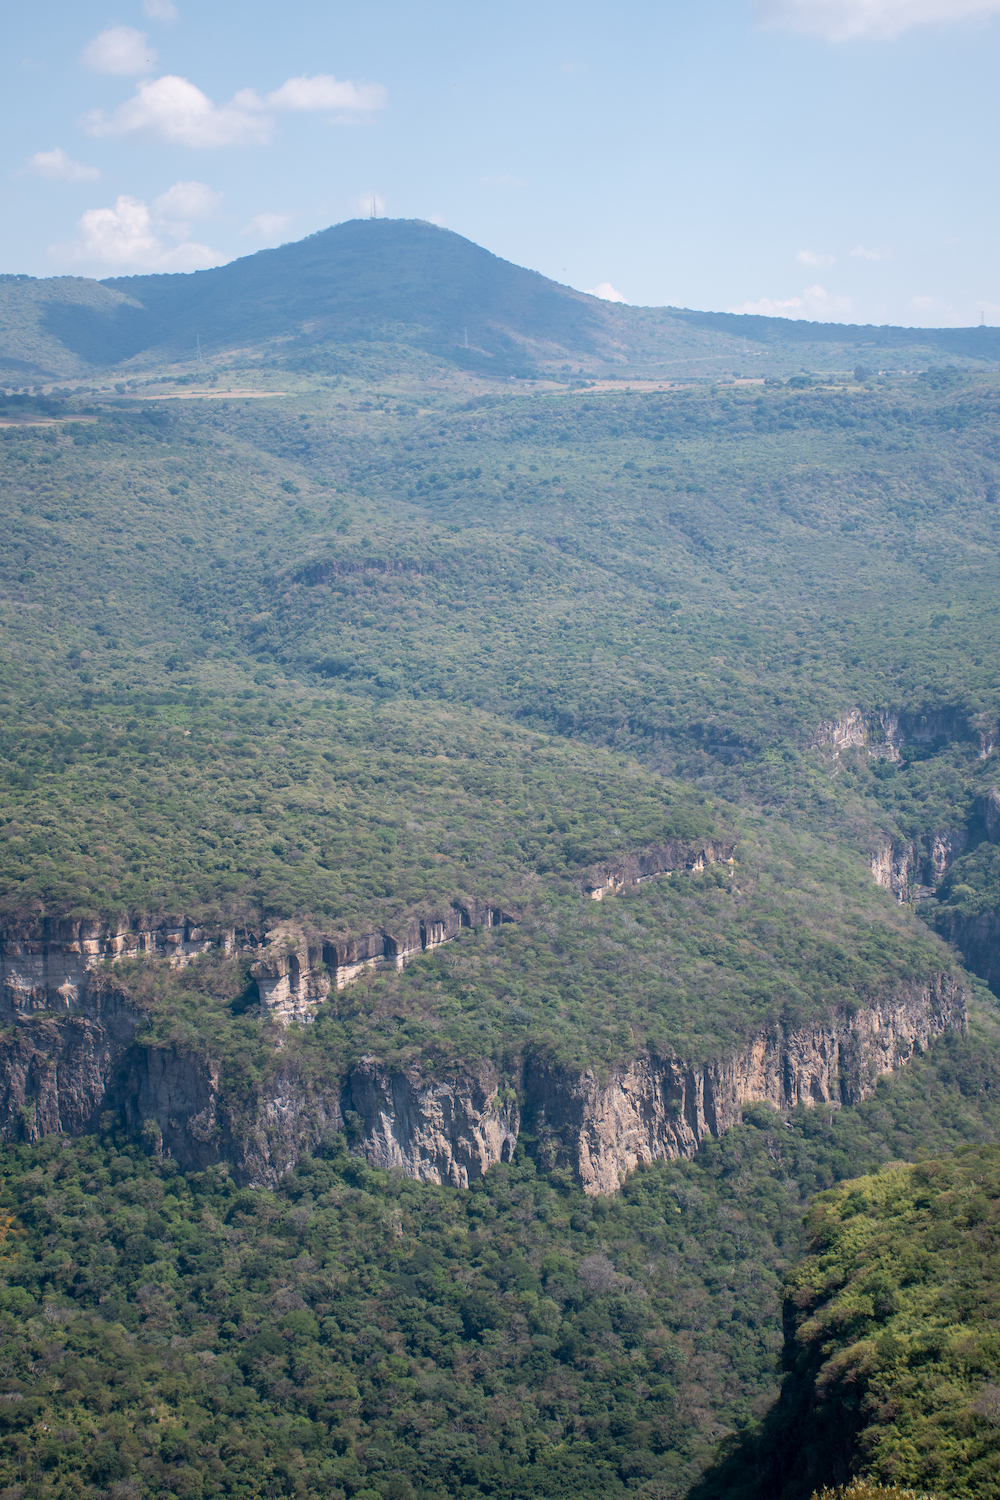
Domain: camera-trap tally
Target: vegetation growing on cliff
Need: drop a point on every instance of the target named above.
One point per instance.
(892, 1355)
(384, 640)
(358, 1334)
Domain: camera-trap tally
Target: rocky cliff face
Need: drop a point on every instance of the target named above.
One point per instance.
(663, 859)
(438, 1130)
(51, 965)
(659, 1107)
(882, 732)
(909, 869)
(61, 1072)
(977, 939)
(57, 1071)
(298, 971)
(912, 869)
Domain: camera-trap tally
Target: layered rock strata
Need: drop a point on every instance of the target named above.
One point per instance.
(663, 859)
(438, 1130)
(659, 1106)
(885, 733)
(297, 971)
(62, 1072)
(49, 964)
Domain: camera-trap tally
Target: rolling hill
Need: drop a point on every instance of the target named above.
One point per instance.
(426, 293)
(476, 859)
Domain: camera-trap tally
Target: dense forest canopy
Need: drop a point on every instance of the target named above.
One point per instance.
(350, 633)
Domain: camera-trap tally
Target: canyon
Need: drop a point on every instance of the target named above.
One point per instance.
(72, 1069)
(79, 1052)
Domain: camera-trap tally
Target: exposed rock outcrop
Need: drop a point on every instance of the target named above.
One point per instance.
(912, 869)
(977, 938)
(987, 809)
(659, 1107)
(663, 859)
(885, 733)
(298, 970)
(438, 1130)
(57, 1072)
(185, 1109)
(60, 1073)
(50, 964)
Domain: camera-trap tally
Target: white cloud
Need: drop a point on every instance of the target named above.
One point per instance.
(160, 10)
(175, 110)
(367, 202)
(861, 252)
(811, 258)
(815, 303)
(605, 291)
(120, 49)
(124, 238)
(177, 208)
(266, 226)
(59, 167)
(845, 20)
(186, 201)
(324, 92)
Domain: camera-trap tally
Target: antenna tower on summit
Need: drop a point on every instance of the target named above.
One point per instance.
(374, 212)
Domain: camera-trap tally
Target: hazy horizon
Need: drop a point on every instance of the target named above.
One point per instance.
(813, 159)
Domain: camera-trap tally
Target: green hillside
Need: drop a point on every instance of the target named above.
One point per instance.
(892, 1340)
(422, 295)
(343, 628)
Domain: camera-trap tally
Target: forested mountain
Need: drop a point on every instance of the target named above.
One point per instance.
(479, 857)
(422, 295)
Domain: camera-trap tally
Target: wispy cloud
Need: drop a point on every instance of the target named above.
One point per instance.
(184, 203)
(846, 20)
(175, 110)
(812, 258)
(120, 49)
(58, 167)
(815, 303)
(861, 252)
(160, 10)
(126, 238)
(605, 291)
(266, 226)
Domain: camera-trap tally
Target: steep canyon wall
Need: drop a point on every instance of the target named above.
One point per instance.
(62, 1072)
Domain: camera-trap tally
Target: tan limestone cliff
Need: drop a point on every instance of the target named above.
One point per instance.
(298, 970)
(449, 1130)
(656, 1107)
(60, 1073)
(662, 859)
(49, 965)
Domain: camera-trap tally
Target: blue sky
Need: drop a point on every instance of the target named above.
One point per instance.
(832, 159)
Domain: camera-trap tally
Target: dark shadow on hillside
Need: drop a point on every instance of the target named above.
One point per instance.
(101, 338)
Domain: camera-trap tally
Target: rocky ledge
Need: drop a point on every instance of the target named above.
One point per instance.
(63, 1072)
(51, 965)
